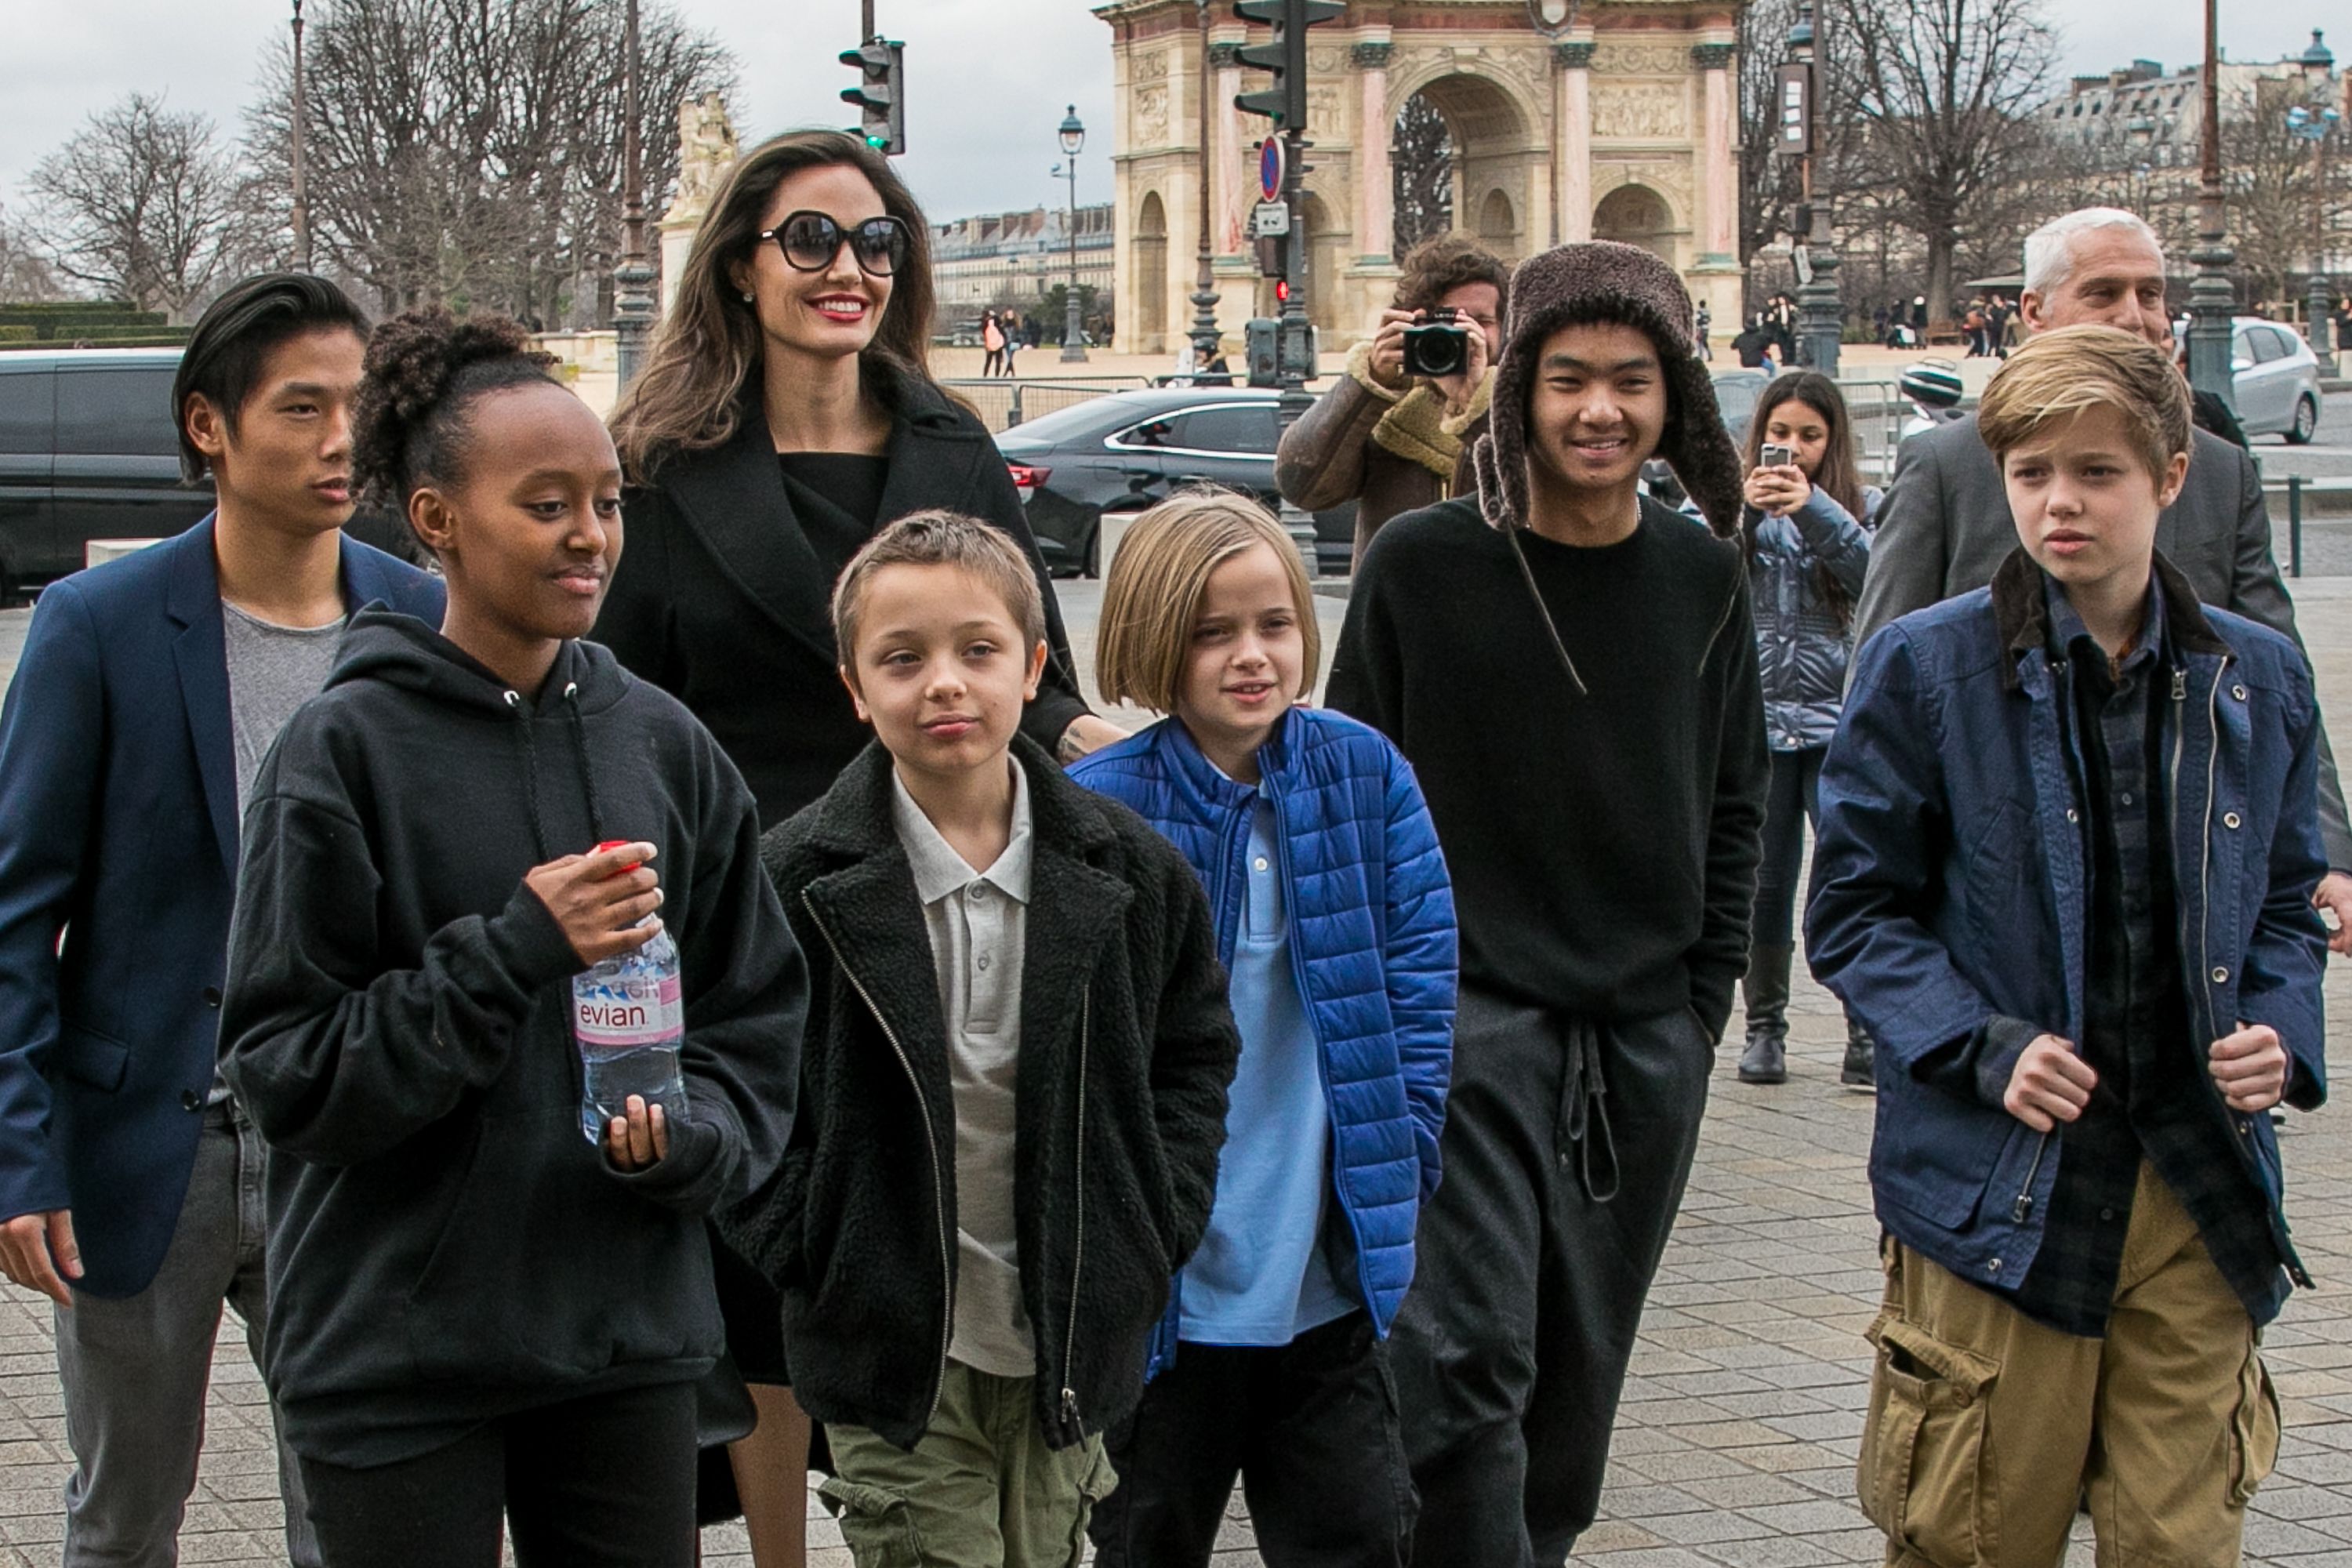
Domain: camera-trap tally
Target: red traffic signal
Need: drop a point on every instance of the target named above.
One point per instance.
(1282, 290)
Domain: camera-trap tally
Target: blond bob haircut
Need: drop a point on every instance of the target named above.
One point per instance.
(941, 538)
(2057, 375)
(1156, 582)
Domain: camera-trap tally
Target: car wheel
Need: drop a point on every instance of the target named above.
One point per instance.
(2306, 421)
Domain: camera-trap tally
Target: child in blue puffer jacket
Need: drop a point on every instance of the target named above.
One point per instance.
(1335, 918)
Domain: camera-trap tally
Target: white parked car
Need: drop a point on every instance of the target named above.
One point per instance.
(2275, 379)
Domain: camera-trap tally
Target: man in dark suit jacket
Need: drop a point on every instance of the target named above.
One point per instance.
(146, 694)
(1945, 526)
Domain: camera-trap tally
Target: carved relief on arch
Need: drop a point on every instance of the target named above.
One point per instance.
(1610, 57)
(1641, 112)
(1148, 114)
(1152, 66)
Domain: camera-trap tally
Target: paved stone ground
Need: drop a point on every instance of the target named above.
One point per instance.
(1742, 1414)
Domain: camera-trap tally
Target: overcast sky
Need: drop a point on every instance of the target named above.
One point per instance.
(987, 80)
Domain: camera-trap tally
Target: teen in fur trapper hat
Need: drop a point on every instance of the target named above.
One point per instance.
(1602, 280)
(1571, 670)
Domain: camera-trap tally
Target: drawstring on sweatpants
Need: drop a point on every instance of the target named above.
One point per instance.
(1584, 1112)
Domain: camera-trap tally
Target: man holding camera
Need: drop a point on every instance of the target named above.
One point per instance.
(1393, 433)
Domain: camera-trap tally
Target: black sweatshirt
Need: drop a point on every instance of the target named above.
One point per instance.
(1604, 844)
(445, 1243)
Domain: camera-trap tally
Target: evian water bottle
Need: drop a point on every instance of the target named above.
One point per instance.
(628, 1016)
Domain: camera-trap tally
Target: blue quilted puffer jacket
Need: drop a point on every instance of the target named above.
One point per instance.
(1372, 928)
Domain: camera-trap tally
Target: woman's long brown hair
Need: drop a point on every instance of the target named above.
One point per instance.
(1840, 477)
(708, 349)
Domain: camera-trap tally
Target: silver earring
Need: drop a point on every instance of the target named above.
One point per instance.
(747, 296)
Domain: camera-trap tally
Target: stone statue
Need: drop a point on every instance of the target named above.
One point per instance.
(706, 146)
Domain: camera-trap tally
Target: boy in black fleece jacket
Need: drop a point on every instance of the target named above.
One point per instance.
(1013, 1084)
(475, 1311)
(1571, 671)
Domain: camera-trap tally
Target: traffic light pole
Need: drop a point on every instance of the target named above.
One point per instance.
(1286, 104)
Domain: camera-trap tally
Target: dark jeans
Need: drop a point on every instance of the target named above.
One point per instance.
(1792, 801)
(1511, 1350)
(1311, 1427)
(601, 1482)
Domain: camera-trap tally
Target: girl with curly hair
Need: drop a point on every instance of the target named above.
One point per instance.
(480, 1316)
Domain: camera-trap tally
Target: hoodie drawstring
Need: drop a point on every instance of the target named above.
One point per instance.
(1585, 1133)
(579, 728)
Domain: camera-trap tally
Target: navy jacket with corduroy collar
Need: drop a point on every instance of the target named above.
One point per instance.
(1950, 891)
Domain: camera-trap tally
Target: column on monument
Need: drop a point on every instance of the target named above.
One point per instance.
(1719, 237)
(1375, 193)
(1573, 222)
(1228, 203)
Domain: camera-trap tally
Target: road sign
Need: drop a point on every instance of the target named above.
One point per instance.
(1269, 168)
(1270, 220)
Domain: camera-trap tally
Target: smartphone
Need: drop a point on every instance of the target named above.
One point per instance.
(1775, 456)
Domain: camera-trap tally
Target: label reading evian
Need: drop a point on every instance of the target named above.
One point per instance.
(620, 1014)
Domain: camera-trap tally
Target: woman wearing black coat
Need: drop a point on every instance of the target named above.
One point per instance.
(786, 412)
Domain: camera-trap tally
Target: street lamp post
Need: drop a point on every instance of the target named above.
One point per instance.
(1074, 137)
(1820, 314)
(633, 299)
(1206, 337)
(301, 191)
(2315, 125)
(2213, 297)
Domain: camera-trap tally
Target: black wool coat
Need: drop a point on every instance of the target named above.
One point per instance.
(719, 600)
(1128, 1047)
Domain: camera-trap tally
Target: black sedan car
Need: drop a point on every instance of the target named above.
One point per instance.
(1126, 451)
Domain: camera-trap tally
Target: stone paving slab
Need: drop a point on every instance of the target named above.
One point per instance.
(1742, 1413)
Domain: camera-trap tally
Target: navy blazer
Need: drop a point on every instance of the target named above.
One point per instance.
(118, 831)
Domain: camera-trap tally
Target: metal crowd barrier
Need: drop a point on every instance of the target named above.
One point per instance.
(1003, 402)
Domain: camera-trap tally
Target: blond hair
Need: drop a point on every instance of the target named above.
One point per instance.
(939, 538)
(1156, 584)
(2059, 375)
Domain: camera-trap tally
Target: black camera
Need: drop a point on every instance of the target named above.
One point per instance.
(1434, 346)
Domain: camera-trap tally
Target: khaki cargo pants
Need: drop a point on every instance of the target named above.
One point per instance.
(981, 1490)
(1985, 1426)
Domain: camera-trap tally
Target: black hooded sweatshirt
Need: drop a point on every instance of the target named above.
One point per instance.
(445, 1245)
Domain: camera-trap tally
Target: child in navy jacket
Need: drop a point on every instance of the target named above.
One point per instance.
(1336, 917)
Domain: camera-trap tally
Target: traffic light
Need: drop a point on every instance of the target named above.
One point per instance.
(881, 95)
(1285, 102)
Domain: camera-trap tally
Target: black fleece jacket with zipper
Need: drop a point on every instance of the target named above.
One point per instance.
(1127, 1049)
(445, 1243)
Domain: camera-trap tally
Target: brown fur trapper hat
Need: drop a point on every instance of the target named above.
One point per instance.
(1601, 280)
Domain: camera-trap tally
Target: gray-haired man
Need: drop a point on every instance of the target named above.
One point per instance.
(1946, 527)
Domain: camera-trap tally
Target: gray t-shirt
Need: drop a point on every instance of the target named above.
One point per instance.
(272, 670)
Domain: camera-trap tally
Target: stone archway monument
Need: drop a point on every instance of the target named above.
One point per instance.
(1629, 114)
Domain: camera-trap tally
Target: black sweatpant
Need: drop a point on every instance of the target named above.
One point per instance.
(1311, 1427)
(1567, 1146)
(602, 1482)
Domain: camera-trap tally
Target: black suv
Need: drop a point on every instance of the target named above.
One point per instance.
(87, 451)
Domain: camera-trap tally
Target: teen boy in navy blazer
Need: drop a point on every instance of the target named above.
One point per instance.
(148, 692)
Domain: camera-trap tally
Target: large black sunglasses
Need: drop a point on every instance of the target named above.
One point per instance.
(809, 240)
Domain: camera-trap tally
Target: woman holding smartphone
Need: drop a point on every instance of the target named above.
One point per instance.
(785, 414)
(1807, 530)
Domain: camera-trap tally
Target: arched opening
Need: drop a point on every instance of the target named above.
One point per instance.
(1636, 215)
(1151, 276)
(1498, 226)
(1327, 255)
(1453, 138)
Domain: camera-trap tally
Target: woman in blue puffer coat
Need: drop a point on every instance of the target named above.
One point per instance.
(1335, 921)
(1806, 528)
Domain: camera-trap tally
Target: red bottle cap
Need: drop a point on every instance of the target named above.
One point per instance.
(615, 844)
